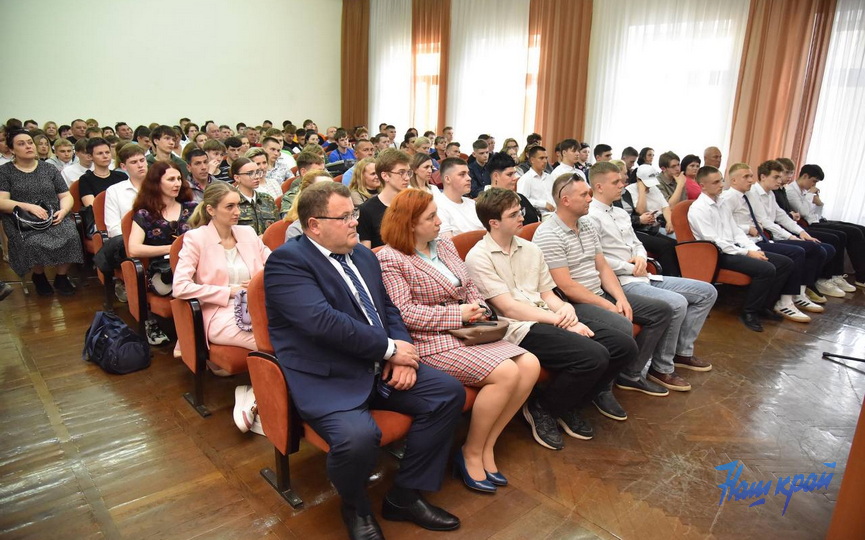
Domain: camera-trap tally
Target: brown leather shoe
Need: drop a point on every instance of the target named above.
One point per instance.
(691, 362)
(669, 380)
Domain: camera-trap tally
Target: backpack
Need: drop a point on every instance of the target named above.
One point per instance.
(112, 345)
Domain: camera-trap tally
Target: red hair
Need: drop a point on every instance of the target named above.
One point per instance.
(150, 195)
(403, 213)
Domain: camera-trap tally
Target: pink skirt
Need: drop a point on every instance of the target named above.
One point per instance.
(472, 364)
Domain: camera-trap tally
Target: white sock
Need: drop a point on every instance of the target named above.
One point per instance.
(786, 300)
(802, 291)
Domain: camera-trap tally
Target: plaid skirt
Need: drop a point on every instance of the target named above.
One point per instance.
(474, 363)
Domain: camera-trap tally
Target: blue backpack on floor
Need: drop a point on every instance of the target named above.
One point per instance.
(112, 345)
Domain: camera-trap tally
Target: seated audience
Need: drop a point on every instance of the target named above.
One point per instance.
(671, 181)
(690, 300)
(512, 276)
(28, 183)
(421, 173)
(452, 150)
(64, 154)
(43, 147)
(769, 272)
(364, 181)
(142, 137)
(690, 165)
(50, 130)
(712, 157)
(278, 168)
(257, 209)
(217, 260)
(233, 147)
(569, 150)
(123, 131)
(311, 178)
(644, 198)
(582, 163)
(392, 168)
(325, 300)
(215, 151)
(95, 181)
(603, 152)
(629, 157)
(438, 150)
(343, 150)
(797, 194)
(362, 150)
(502, 170)
(536, 184)
(82, 164)
(311, 158)
(477, 168)
(199, 177)
(430, 286)
(456, 211)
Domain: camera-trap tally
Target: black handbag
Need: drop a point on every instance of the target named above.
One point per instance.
(160, 276)
(27, 221)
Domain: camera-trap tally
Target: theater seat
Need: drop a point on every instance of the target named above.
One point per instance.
(142, 302)
(274, 236)
(698, 259)
(464, 242)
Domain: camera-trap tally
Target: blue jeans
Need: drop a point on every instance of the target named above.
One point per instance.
(691, 301)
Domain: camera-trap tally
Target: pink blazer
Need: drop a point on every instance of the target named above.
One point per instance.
(428, 301)
(202, 270)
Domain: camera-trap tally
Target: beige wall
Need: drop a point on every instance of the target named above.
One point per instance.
(159, 60)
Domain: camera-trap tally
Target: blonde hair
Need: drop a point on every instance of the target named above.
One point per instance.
(213, 195)
(255, 151)
(314, 148)
(357, 183)
(307, 180)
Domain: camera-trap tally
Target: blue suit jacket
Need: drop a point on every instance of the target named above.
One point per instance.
(319, 331)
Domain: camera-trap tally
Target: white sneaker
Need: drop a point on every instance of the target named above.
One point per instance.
(827, 287)
(790, 313)
(803, 303)
(244, 408)
(843, 284)
(155, 335)
(256, 426)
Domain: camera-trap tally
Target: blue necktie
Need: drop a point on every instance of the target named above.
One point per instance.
(365, 300)
(382, 388)
(754, 219)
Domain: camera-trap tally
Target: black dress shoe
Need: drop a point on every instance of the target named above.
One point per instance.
(752, 321)
(421, 513)
(771, 315)
(361, 527)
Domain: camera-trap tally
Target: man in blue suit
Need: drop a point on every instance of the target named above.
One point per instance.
(345, 350)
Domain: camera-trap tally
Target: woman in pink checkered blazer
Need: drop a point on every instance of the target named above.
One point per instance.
(429, 283)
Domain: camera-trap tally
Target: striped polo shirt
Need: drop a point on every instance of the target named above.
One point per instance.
(563, 247)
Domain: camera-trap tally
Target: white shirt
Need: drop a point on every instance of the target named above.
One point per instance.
(457, 218)
(563, 168)
(732, 201)
(710, 222)
(799, 202)
(538, 189)
(73, 172)
(119, 199)
(655, 199)
(618, 240)
(771, 217)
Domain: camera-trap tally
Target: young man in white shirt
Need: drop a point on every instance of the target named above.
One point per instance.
(691, 300)
(854, 234)
(768, 271)
(456, 211)
(73, 172)
(536, 184)
(569, 149)
(64, 154)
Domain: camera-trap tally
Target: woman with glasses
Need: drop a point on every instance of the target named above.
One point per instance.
(421, 173)
(257, 209)
(512, 148)
(218, 259)
(430, 284)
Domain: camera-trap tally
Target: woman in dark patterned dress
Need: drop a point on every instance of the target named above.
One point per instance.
(163, 206)
(29, 183)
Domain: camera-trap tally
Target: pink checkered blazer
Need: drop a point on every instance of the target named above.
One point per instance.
(428, 302)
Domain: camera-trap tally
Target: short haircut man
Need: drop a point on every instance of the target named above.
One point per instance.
(310, 305)
(456, 211)
(480, 177)
(392, 167)
(712, 157)
(603, 152)
(536, 184)
(452, 150)
(502, 170)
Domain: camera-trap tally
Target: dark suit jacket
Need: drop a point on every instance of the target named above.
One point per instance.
(319, 331)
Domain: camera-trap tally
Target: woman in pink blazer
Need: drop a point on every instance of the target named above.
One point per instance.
(216, 262)
(429, 283)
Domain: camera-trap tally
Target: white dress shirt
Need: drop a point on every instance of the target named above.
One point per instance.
(710, 222)
(564, 168)
(119, 199)
(733, 202)
(618, 240)
(537, 188)
(771, 217)
(800, 203)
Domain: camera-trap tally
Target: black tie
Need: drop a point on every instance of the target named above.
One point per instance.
(754, 219)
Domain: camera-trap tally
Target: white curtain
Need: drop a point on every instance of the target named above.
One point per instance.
(390, 77)
(489, 52)
(838, 139)
(663, 73)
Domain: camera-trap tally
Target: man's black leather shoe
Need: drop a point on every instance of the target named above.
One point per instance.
(361, 527)
(421, 513)
(752, 321)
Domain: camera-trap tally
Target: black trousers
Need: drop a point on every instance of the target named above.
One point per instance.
(663, 249)
(767, 278)
(583, 366)
(855, 243)
(836, 240)
(435, 401)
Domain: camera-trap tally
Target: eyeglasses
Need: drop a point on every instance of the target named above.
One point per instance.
(574, 178)
(404, 174)
(346, 219)
(252, 174)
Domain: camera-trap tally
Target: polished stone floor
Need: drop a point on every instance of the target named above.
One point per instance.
(89, 455)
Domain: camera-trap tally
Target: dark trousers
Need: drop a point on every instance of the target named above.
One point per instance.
(767, 277)
(654, 316)
(583, 366)
(855, 243)
(833, 243)
(804, 268)
(663, 249)
(435, 401)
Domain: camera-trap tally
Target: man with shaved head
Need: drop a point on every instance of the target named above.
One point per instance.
(712, 157)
